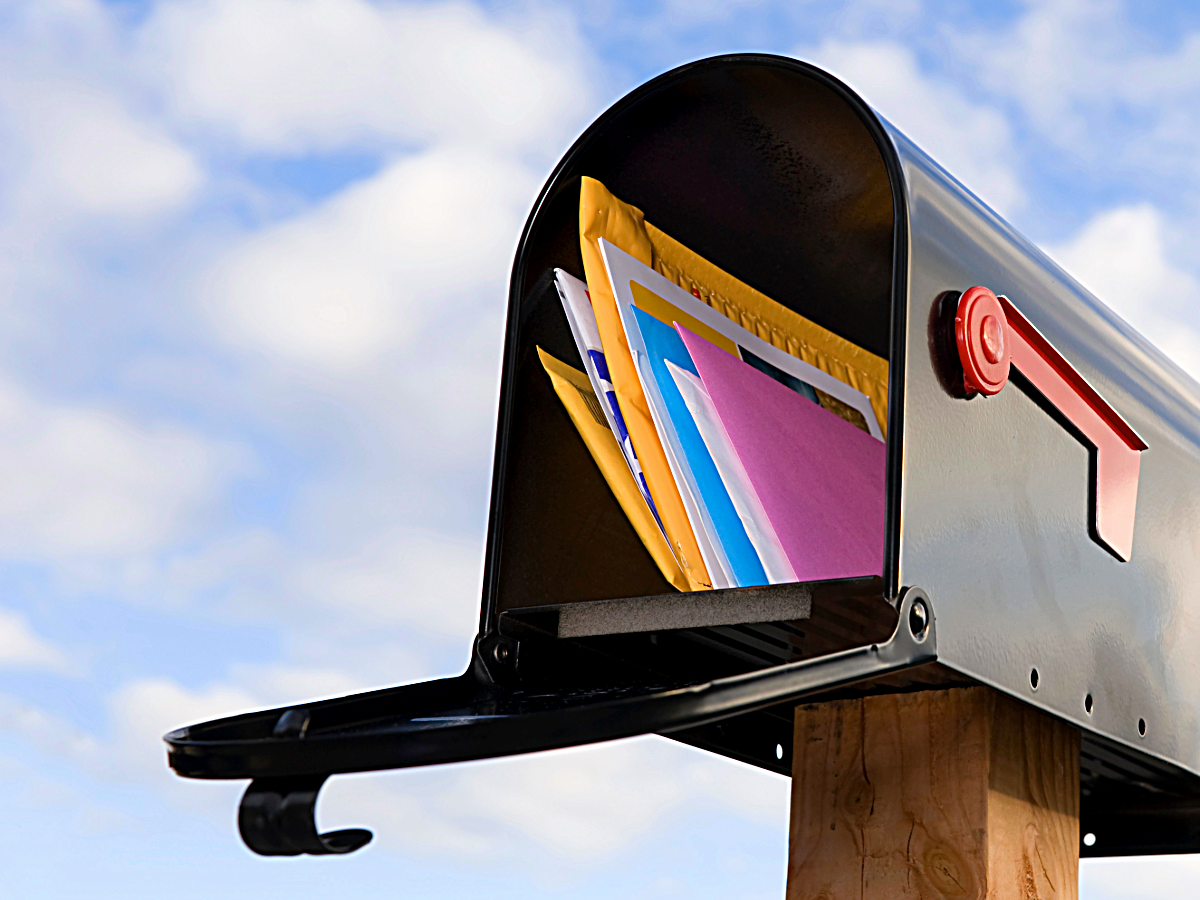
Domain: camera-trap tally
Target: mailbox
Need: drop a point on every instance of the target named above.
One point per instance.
(1040, 525)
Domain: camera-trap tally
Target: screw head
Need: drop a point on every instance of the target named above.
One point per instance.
(501, 653)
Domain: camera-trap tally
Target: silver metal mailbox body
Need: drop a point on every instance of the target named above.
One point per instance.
(993, 496)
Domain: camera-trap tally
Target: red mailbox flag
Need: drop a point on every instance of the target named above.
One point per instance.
(991, 335)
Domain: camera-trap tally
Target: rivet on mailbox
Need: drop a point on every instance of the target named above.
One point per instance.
(757, 447)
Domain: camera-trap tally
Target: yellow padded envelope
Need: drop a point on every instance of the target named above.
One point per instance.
(575, 391)
(601, 215)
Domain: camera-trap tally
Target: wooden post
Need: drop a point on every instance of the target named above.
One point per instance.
(941, 795)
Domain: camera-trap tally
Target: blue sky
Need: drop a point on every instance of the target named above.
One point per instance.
(253, 257)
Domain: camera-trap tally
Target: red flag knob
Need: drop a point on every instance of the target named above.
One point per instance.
(979, 330)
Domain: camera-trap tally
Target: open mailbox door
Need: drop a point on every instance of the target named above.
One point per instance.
(1041, 526)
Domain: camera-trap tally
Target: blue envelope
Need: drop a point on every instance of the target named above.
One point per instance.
(663, 343)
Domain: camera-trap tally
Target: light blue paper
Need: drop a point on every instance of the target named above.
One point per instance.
(663, 343)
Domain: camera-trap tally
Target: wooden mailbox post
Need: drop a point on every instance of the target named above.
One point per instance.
(963, 793)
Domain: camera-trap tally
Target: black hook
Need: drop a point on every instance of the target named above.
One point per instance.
(277, 817)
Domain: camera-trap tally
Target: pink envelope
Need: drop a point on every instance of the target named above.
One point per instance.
(819, 479)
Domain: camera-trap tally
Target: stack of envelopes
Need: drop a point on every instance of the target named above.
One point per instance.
(744, 442)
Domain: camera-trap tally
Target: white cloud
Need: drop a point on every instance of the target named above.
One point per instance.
(49, 734)
(558, 812)
(281, 685)
(72, 809)
(1121, 257)
(150, 707)
(253, 557)
(1054, 54)
(78, 138)
(361, 274)
(369, 606)
(422, 578)
(384, 302)
(289, 75)
(1086, 79)
(20, 647)
(971, 141)
(80, 151)
(83, 480)
(87, 161)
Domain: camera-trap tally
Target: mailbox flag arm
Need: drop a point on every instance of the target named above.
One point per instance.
(991, 334)
(1118, 447)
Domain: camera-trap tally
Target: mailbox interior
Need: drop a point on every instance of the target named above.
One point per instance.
(771, 174)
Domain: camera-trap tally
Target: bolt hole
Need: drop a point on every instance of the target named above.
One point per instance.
(1034, 679)
(1142, 727)
(779, 751)
(1089, 840)
(1087, 707)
